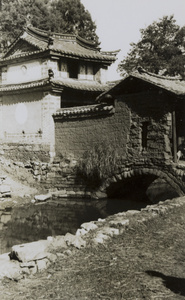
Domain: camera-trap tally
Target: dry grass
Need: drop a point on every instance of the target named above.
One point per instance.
(99, 163)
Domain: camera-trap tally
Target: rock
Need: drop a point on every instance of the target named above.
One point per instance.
(4, 257)
(50, 238)
(42, 264)
(28, 267)
(69, 238)
(75, 241)
(68, 252)
(79, 243)
(99, 195)
(101, 220)
(81, 232)
(4, 189)
(33, 270)
(19, 164)
(100, 238)
(5, 218)
(132, 212)
(2, 178)
(89, 226)
(27, 165)
(110, 231)
(71, 193)
(43, 197)
(36, 172)
(58, 242)
(119, 222)
(10, 269)
(60, 255)
(59, 193)
(29, 264)
(52, 257)
(30, 251)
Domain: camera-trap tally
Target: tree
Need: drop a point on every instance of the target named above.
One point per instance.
(160, 49)
(64, 16)
(71, 17)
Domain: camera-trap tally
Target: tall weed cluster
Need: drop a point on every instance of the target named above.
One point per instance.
(99, 163)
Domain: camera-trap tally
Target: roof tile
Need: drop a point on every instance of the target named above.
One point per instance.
(84, 111)
(69, 45)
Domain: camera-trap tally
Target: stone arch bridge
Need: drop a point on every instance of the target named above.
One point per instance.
(142, 175)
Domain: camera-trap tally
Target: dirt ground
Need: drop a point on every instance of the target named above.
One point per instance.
(146, 262)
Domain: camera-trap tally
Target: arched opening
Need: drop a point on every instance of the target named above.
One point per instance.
(137, 192)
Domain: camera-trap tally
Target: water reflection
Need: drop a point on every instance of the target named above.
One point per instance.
(32, 222)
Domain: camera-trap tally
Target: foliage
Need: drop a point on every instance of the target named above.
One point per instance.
(99, 163)
(65, 16)
(73, 18)
(160, 49)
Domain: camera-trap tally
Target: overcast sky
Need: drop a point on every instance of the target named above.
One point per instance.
(118, 21)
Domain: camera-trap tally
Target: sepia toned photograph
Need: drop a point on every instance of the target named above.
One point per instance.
(92, 149)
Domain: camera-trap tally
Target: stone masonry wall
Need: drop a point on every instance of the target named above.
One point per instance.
(153, 111)
(123, 129)
(24, 152)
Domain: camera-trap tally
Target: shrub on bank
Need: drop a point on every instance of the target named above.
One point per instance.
(98, 163)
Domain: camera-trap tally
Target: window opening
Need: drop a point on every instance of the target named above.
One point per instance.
(73, 69)
(144, 135)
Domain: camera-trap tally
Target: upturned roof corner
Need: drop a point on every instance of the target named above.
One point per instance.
(66, 45)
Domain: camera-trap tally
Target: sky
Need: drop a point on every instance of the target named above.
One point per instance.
(119, 22)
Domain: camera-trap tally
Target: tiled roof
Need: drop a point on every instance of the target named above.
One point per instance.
(83, 111)
(22, 86)
(19, 55)
(83, 85)
(60, 84)
(173, 85)
(66, 45)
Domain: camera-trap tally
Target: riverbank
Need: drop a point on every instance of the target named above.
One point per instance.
(20, 183)
(145, 261)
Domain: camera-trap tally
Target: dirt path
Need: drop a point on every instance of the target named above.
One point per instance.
(146, 262)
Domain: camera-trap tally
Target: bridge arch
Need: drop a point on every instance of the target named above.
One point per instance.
(151, 173)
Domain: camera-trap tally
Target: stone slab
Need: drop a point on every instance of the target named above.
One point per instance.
(31, 251)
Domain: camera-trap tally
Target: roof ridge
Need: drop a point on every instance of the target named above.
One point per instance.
(143, 71)
(47, 34)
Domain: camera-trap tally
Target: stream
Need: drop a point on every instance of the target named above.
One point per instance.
(32, 222)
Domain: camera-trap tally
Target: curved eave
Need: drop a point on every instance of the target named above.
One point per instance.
(171, 86)
(79, 85)
(93, 57)
(58, 53)
(53, 85)
(28, 86)
(22, 56)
